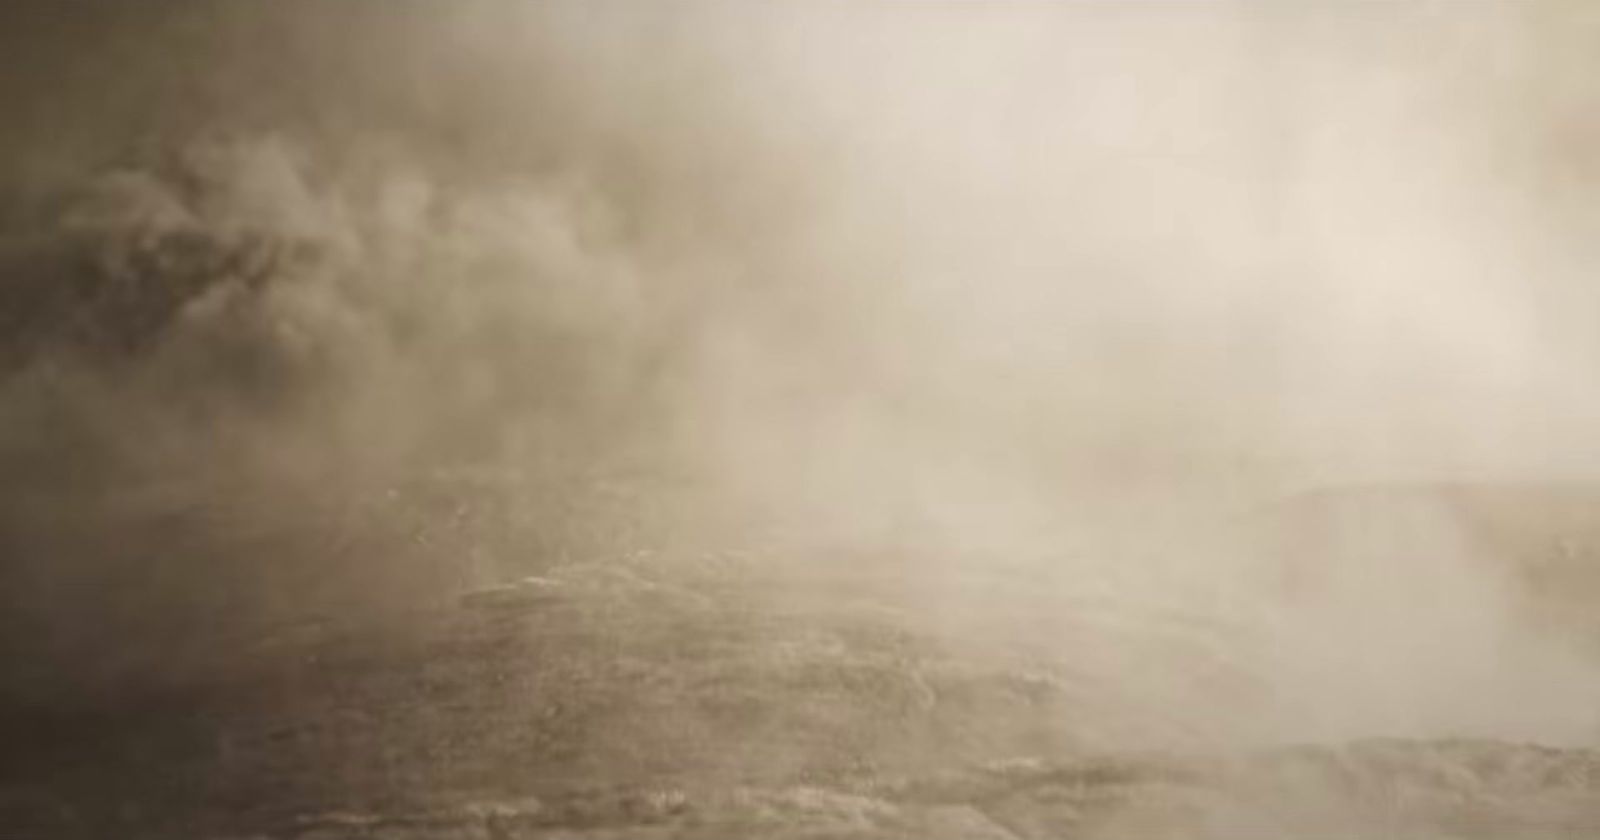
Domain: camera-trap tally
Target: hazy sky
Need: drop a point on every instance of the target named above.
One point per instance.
(1310, 243)
(963, 274)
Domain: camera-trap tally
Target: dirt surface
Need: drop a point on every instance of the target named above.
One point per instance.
(655, 697)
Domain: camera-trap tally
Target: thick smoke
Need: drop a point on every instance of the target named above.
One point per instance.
(319, 307)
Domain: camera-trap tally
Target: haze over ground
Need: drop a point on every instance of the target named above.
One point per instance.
(325, 308)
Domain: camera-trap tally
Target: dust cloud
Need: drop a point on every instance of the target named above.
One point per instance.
(1028, 313)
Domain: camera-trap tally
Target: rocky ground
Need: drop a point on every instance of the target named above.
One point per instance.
(656, 697)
